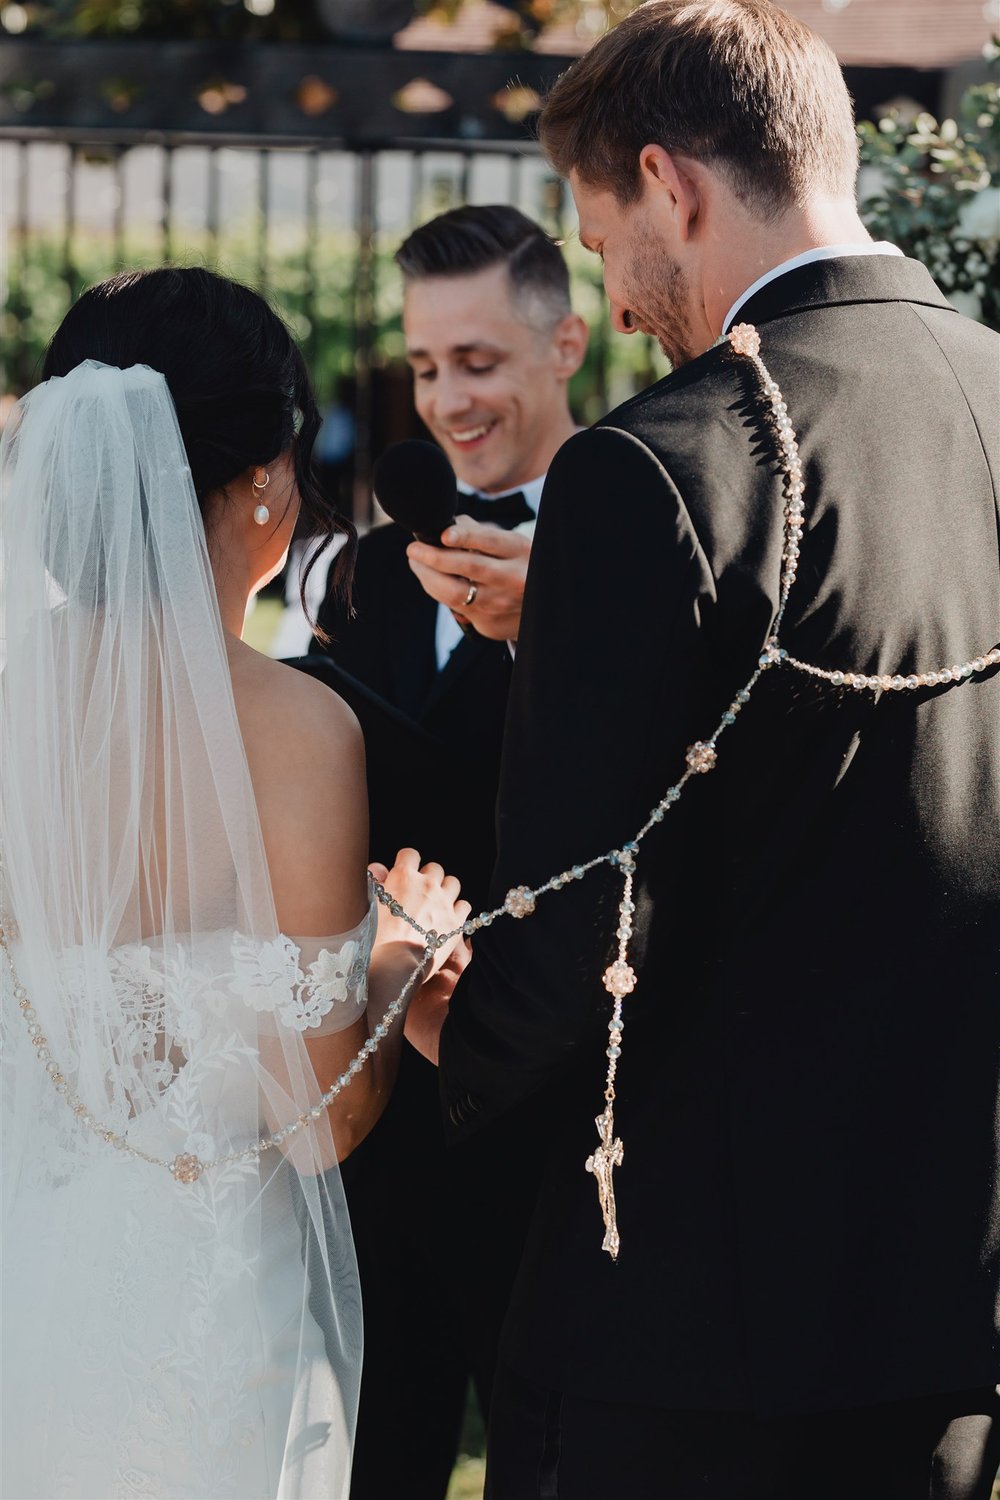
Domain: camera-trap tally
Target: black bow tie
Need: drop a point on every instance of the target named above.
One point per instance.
(507, 511)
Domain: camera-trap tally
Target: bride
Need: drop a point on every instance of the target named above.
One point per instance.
(192, 957)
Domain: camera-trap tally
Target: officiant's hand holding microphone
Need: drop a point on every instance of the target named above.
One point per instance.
(473, 553)
(474, 569)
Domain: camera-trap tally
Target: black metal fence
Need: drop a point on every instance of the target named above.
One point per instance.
(313, 226)
(298, 170)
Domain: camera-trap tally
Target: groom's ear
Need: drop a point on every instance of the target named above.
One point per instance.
(670, 188)
(569, 343)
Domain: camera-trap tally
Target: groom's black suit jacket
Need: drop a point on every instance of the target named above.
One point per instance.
(808, 1202)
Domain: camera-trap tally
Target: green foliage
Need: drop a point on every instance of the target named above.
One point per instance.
(313, 289)
(530, 18)
(939, 194)
(938, 198)
(290, 20)
(315, 296)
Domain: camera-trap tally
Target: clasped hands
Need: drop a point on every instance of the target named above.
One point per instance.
(496, 561)
(431, 898)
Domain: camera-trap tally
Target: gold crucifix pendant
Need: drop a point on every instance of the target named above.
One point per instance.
(608, 1155)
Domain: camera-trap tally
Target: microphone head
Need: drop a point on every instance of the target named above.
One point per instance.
(415, 484)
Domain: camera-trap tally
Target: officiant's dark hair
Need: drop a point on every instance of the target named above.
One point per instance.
(237, 378)
(477, 236)
(737, 84)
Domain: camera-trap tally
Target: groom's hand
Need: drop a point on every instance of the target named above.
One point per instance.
(429, 1006)
(427, 895)
(496, 561)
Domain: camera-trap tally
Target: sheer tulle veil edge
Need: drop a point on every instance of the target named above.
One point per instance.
(159, 1338)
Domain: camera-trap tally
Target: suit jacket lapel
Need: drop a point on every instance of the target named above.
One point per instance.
(417, 685)
(855, 278)
(467, 654)
(412, 649)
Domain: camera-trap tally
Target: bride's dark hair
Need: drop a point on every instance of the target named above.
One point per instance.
(237, 378)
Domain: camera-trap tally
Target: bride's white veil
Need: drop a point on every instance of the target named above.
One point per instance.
(194, 1337)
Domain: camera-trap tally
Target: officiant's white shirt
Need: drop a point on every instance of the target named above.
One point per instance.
(824, 252)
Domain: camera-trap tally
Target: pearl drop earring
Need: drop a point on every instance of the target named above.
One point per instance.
(261, 514)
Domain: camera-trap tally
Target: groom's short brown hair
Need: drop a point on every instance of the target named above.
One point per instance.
(737, 84)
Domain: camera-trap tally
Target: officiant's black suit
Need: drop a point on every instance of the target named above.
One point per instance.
(808, 1202)
(389, 645)
(438, 1235)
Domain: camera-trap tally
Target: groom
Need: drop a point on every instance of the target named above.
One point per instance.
(804, 1303)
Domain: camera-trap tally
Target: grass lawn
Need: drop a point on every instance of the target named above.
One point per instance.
(262, 622)
(469, 1475)
(467, 1479)
(470, 1470)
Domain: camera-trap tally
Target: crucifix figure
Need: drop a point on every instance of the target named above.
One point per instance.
(608, 1155)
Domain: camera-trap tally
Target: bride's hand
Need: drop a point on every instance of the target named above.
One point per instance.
(428, 895)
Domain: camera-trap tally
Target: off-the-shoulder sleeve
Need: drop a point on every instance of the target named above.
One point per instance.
(315, 986)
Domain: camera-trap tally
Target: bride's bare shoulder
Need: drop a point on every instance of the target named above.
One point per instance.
(288, 716)
(307, 762)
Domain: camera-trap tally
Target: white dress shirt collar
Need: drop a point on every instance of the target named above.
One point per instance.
(825, 252)
(532, 492)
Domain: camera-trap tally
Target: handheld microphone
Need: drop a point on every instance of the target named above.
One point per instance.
(415, 484)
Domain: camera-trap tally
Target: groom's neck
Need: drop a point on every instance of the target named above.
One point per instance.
(751, 248)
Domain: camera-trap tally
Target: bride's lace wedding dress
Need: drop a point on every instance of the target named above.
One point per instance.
(160, 1354)
(186, 1335)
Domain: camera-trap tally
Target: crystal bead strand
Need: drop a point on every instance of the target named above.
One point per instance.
(896, 683)
(700, 758)
(521, 901)
(620, 979)
(187, 1167)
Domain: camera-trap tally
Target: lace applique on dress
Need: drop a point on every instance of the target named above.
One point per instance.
(184, 1362)
(277, 977)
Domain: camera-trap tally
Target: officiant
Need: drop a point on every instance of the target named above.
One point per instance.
(493, 342)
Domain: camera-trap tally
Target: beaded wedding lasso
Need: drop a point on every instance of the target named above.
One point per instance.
(619, 978)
